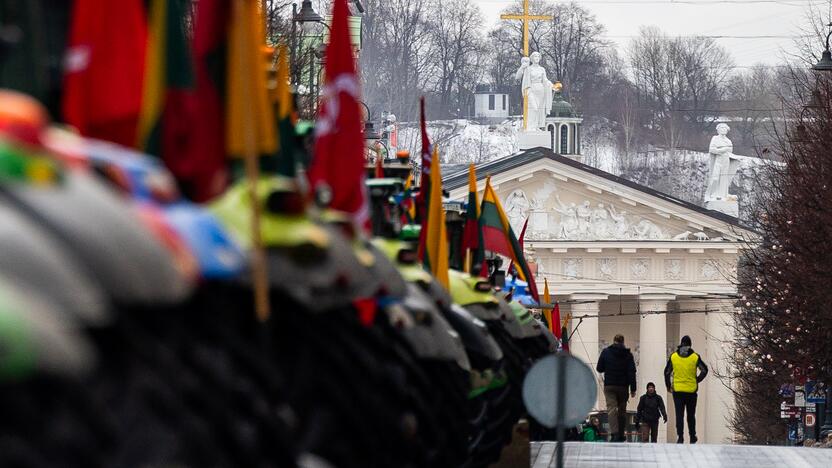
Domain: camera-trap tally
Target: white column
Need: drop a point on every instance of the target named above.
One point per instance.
(584, 343)
(695, 326)
(653, 345)
(720, 398)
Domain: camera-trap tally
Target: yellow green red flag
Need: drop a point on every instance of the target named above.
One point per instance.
(499, 237)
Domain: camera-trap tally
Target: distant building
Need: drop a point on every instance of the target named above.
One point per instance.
(491, 103)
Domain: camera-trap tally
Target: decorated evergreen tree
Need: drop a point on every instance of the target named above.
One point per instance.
(784, 326)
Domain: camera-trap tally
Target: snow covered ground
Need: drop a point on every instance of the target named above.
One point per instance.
(681, 174)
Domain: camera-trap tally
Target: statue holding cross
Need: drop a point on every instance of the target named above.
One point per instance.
(539, 102)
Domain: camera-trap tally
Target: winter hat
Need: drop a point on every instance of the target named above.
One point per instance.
(650, 384)
(685, 341)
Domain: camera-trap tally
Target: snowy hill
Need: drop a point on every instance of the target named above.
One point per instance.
(681, 174)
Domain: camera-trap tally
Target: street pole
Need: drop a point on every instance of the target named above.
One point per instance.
(561, 403)
(294, 46)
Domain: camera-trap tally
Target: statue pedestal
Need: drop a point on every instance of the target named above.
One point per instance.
(534, 138)
(729, 207)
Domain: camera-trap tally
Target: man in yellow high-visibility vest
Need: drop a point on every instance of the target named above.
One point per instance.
(681, 368)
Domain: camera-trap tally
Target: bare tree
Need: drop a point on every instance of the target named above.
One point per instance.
(783, 322)
(574, 48)
(682, 80)
(753, 95)
(457, 45)
(395, 62)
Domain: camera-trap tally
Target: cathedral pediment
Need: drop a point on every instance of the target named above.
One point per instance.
(566, 201)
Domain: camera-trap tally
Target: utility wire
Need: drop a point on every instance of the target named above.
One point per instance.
(647, 285)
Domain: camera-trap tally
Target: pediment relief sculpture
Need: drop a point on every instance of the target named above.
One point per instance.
(577, 218)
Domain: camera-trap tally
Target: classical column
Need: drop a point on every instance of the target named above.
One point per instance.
(695, 325)
(653, 345)
(720, 398)
(584, 343)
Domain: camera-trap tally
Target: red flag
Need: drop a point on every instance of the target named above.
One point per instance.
(424, 188)
(201, 166)
(423, 197)
(556, 325)
(523, 233)
(339, 146)
(104, 68)
(379, 173)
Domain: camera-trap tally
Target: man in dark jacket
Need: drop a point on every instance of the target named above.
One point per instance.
(650, 406)
(682, 366)
(619, 368)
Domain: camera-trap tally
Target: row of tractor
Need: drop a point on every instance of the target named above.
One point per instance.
(128, 333)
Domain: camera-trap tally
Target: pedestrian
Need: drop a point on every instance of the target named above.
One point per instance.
(619, 368)
(681, 378)
(650, 407)
(592, 431)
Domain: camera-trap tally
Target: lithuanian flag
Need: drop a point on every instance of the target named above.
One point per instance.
(435, 257)
(472, 240)
(499, 237)
(167, 76)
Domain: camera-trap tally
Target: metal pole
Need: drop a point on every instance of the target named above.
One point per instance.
(561, 406)
(294, 46)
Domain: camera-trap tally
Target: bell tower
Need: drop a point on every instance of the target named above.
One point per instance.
(564, 126)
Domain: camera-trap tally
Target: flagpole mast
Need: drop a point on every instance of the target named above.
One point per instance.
(252, 168)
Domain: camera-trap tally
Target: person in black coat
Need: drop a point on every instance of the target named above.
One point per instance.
(619, 368)
(650, 406)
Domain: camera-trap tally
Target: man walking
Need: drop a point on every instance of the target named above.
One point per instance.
(681, 368)
(650, 406)
(619, 368)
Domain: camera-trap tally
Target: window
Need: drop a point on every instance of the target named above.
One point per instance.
(504, 101)
(564, 139)
(491, 102)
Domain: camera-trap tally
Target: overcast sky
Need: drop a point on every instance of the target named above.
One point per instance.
(622, 19)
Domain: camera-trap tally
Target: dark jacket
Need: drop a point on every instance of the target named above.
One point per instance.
(649, 408)
(618, 366)
(685, 351)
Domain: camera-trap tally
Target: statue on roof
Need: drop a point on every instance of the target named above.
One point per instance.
(537, 87)
(724, 165)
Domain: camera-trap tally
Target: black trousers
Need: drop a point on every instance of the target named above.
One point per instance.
(650, 430)
(685, 402)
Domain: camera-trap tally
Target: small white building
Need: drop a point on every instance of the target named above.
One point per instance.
(491, 102)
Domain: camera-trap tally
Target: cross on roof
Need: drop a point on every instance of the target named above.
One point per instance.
(526, 18)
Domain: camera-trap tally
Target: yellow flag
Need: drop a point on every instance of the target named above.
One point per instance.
(436, 242)
(250, 124)
(546, 298)
(284, 94)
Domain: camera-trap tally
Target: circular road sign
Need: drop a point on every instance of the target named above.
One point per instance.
(540, 390)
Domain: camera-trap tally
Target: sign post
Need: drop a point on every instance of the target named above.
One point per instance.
(566, 405)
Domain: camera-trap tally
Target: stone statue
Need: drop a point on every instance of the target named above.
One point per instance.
(571, 267)
(601, 223)
(524, 63)
(647, 230)
(517, 208)
(724, 165)
(606, 268)
(622, 227)
(568, 228)
(584, 213)
(538, 88)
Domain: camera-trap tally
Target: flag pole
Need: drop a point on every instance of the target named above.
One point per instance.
(252, 169)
